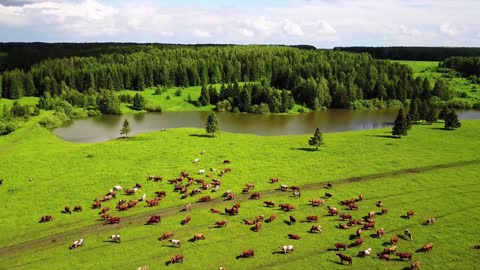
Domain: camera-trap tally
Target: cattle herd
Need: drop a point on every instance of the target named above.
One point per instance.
(188, 186)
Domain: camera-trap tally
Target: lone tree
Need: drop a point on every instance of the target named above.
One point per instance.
(212, 124)
(138, 102)
(451, 120)
(316, 140)
(125, 128)
(400, 125)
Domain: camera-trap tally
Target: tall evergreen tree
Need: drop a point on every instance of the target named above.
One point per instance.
(213, 93)
(431, 115)
(316, 140)
(413, 114)
(204, 98)
(443, 113)
(138, 102)
(400, 125)
(451, 120)
(125, 128)
(212, 124)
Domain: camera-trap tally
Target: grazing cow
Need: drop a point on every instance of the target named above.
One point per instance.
(96, 204)
(155, 178)
(144, 196)
(333, 211)
(430, 221)
(177, 259)
(271, 218)
(329, 185)
(359, 232)
(283, 187)
(341, 245)
(259, 218)
(394, 240)
(274, 180)
(287, 249)
(317, 228)
(379, 204)
(283, 206)
(312, 218)
(360, 197)
(166, 235)
(328, 195)
(291, 207)
(78, 208)
(184, 174)
(255, 196)
(427, 247)
(117, 188)
(245, 191)
(46, 218)
(112, 220)
(230, 196)
(175, 242)
(359, 242)
(345, 258)
(198, 236)
(137, 185)
(292, 219)
(384, 256)
(226, 161)
(250, 186)
(104, 210)
(347, 202)
(186, 220)
(345, 216)
(106, 216)
(296, 193)
(231, 211)
(352, 206)
(404, 255)
(153, 202)
(196, 160)
(415, 265)
(410, 214)
(130, 191)
(366, 252)
(316, 202)
(248, 222)
(371, 214)
(187, 207)
(408, 234)
(247, 254)
(132, 203)
(369, 225)
(204, 199)
(269, 203)
(343, 226)
(77, 243)
(213, 210)
(67, 210)
(294, 236)
(202, 171)
(380, 233)
(115, 237)
(222, 223)
(390, 250)
(384, 211)
(258, 226)
(154, 220)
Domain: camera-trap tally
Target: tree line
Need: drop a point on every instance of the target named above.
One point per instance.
(469, 66)
(413, 53)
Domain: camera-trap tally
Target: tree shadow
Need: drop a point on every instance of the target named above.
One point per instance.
(382, 136)
(200, 135)
(306, 149)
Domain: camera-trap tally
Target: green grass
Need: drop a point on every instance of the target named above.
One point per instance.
(70, 173)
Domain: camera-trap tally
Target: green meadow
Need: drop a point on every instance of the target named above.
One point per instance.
(431, 171)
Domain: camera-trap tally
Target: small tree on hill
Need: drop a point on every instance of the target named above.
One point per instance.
(138, 102)
(451, 120)
(317, 139)
(125, 128)
(431, 115)
(212, 124)
(443, 113)
(400, 125)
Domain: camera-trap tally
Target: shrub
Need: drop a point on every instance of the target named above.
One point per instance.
(153, 108)
(6, 128)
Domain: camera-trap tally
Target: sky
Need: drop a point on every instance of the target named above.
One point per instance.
(321, 23)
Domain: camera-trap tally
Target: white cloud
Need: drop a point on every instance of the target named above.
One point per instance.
(247, 33)
(292, 29)
(201, 33)
(447, 28)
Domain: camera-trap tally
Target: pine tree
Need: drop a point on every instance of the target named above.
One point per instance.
(431, 115)
(138, 102)
(451, 120)
(413, 114)
(125, 128)
(212, 124)
(443, 113)
(316, 140)
(204, 98)
(400, 125)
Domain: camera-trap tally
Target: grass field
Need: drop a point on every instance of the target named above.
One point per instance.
(70, 173)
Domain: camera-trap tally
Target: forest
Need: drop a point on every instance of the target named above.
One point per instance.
(468, 66)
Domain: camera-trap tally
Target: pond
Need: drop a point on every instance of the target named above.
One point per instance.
(106, 127)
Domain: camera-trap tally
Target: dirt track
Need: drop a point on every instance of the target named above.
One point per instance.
(61, 238)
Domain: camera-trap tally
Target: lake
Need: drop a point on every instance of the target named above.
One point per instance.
(106, 127)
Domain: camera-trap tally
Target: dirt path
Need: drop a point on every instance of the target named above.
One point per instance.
(62, 238)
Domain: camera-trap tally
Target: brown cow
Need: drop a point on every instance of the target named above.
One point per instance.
(415, 265)
(154, 220)
(122, 207)
(410, 214)
(352, 206)
(271, 218)
(226, 161)
(177, 259)
(185, 221)
(166, 235)
(342, 226)
(369, 225)
(384, 211)
(292, 219)
(222, 223)
(328, 195)
(269, 203)
(247, 254)
(314, 228)
(204, 199)
(380, 233)
(248, 222)
(384, 256)
(106, 216)
(394, 240)
(231, 211)
(255, 196)
(294, 236)
(112, 220)
(341, 245)
(198, 236)
(333, 211)
(46, 218)
(359, 232)
(345, 258)
(78, 208)
(359, 242)
(258, 226)
(67, 210)
(345, 216)
(160, 193)
(137, 185)
(312, 218)
(96, 204)
(427, 247)
(104, 210)
(274, 180)
(283, 206)
(430, 221)
(316, 202)
(390, 250)
(404, 255)
(250, 186)
(213, 210)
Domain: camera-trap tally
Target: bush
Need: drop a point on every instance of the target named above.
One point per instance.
(223, 106)
(263, 108)
(178, 92)
(153, 108)
(6, 128)
(460, 104)
(125, 98)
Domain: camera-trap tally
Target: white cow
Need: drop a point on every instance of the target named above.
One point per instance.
(287, 249)
(144, 196)
(76, 244)
(196, 160)
(213, 170)
(366, 252)
(202, 171)
(216, 188)
(284, 187)
(175, 242)
(115, 237)
(117, 188)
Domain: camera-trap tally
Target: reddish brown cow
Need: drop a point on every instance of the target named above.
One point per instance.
(341, 245)
(312, 218)
(258, 226)
(292, 219)
(198, 236)
(316, 202)
(345, 258)
(129, 191)
(269, 203)
(343, 226)
(46, 218)
(154, 220)
(152, 202)
(369, 225)
(283, 206)
(231, 211)
(404, 255)
(384, 256)
(222, 223)
(226, 161)
(347, 202)
(352, 206)
(112, 220)
(328, 195)
(333, 212)
(294, 236)
(247, 254)
(67, 210)
(427, 247)
(394, 240)
(250, 186)
(137, 185)
(166, 235)
(359, 242)
(213, 210)
(390, 250)
(245, 191)
(345, 216)
(231, 196)
(104, 210)
(314, 228)
(96, 204)
(359, 232)
(177, 259)
(271, 218)
(78, 208)
(160, 194)
(122, 207)
(291, 207)
(274, 180)
(410, 214)
(186, 220)
(415, 265)
(132, 203)
(255, 196)
(380, 233)
(248, 222)
(384, 211)
(259, 218)
(204, 199)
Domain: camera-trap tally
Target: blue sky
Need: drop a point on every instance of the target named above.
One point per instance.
(322, 23)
